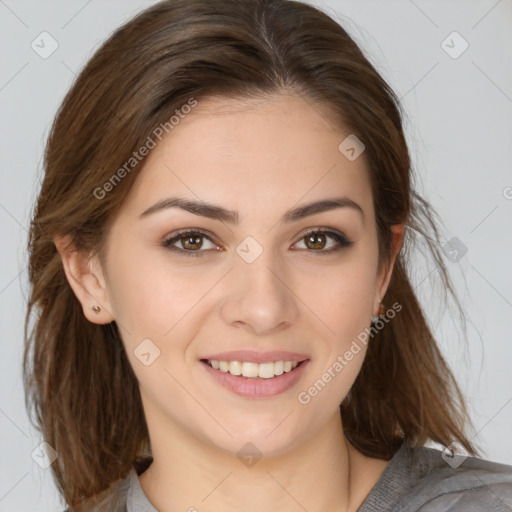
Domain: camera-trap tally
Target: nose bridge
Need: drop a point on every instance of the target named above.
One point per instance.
(258, 297)
(260, 276)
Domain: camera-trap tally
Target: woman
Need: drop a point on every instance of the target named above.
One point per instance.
(218, 261)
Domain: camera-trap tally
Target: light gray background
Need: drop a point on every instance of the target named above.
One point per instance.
(459, 129)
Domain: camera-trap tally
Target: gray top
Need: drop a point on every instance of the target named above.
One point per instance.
(415, 479)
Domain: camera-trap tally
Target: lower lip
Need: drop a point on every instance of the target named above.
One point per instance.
(257, 388)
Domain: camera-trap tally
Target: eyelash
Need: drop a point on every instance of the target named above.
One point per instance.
(342, 241)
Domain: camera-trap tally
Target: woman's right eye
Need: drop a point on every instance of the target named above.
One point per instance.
(191, 243)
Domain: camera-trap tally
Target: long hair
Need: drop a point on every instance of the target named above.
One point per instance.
(79, 384)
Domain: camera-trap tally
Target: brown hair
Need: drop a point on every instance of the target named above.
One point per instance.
(77, 376)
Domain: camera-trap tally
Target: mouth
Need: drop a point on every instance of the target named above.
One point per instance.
(255, 380)
(255, 371)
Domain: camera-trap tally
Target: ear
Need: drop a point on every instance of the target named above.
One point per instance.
(387, 270)
(85, 276)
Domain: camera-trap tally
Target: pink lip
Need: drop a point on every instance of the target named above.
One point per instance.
(257, 388)
(251, 356)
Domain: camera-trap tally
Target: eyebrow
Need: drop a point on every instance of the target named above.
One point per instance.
(215, 212)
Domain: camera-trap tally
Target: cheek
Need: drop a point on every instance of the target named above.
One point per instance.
(343, 296)
(149, 296)
(344, 304)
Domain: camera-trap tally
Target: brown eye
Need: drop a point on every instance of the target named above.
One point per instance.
(325, 242)
(190, 243)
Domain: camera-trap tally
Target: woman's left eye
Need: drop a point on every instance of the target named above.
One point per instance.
(316, 240)
(319, 237)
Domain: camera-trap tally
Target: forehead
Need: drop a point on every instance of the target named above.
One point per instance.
(253, 154)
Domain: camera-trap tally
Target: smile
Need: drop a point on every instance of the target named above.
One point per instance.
(255, 380)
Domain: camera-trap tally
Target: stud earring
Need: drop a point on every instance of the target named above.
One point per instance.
(96, 309)
(380, 312)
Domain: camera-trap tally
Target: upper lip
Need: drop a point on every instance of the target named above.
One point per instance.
(252, 356)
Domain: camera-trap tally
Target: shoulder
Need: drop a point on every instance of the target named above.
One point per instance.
(467, 484)
(421, 479)
(437, 483)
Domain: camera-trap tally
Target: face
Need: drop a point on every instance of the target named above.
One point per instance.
(188, 284)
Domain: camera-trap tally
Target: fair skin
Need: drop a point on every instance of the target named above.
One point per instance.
(260, 158)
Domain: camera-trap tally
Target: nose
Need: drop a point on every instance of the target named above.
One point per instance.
(259, 298)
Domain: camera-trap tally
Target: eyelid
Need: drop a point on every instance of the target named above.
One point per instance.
(321, 229)
(186, 231)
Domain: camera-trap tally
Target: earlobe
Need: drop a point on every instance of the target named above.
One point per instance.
(85, 276)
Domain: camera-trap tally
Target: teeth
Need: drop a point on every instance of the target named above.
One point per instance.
(254, 370)
(278, 368)
(235, 368)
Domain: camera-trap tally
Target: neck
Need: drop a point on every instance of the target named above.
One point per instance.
(323, 473)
